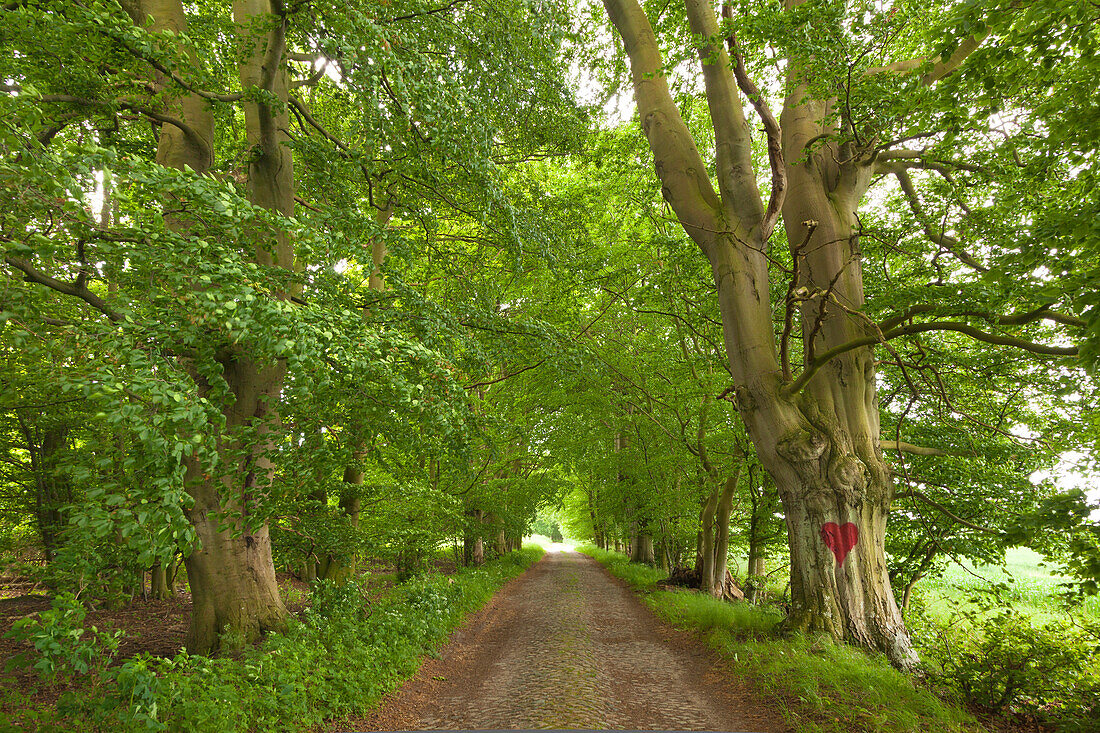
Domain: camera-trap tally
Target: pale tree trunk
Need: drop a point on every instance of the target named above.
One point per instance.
(819, 440)
(230, 571)
(158, 583)
(473, 544)
(713, 545)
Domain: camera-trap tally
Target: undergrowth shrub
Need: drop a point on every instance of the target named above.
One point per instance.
(63, 648)
(340, 658)
(1001, 662)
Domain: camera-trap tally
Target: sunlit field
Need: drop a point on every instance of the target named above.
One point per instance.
(1032, 588)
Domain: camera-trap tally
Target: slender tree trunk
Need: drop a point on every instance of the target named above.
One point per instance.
(714, 577)
(704, 563)
(336, 568)
(722, 584)
(925, 563)
(473, 544)
(53, 490)
(350, 501)
(159, 588)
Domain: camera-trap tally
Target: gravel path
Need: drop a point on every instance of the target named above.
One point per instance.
(568, 646)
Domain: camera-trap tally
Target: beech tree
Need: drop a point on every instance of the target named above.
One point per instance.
(868, 90)
(247, 158)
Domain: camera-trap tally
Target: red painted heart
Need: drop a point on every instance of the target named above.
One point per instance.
(839, 538)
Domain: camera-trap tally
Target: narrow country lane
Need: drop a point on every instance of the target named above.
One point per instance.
(568, 646)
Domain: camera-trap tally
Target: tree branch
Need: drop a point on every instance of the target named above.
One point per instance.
(34, 275)
(916, 450)
(173, 76)
(276, 45)
(434, 11)
(942, 68)
(683, 175)
(1043, 312)
(304, 112)
(732, 146)
(475, 385)
(916, 159)
(945, 67)
(771, 130)
(946, 241)
(123, 104)
(944, 510)
(915, 328)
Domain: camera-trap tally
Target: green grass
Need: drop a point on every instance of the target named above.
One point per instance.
(1033, 588)
(817, 685)
(705, 615)
(638, 577)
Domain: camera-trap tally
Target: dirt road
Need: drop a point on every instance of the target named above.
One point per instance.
(568, 646)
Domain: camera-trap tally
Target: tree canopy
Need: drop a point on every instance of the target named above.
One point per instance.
(294, 286)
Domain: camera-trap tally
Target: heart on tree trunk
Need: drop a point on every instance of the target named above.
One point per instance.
(839, 538)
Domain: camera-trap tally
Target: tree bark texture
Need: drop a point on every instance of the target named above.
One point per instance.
(713, 542)
(819, 443)
(230, 572)
(641, 549)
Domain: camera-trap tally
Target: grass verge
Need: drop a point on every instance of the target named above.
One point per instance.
(339, 658)
(818, 686)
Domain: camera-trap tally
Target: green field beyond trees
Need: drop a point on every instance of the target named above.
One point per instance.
(788, 310)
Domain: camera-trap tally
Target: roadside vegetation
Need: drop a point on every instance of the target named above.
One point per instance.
(998, 669)
(338, 657)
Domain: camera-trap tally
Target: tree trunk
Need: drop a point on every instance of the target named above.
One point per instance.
(817, 435)
(722, 581)
(159, 589)
(53, 490)
(233, 589)
(230, 571)
(704, 558)
(350, 500)
(755, 573)
(713, 544)
(335, 568)
(642, 549)
(472, 543)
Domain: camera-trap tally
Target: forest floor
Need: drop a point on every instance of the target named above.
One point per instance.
(568, 646)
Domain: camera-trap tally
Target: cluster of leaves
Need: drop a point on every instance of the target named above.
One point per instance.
(63, 648)
(999, 661)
